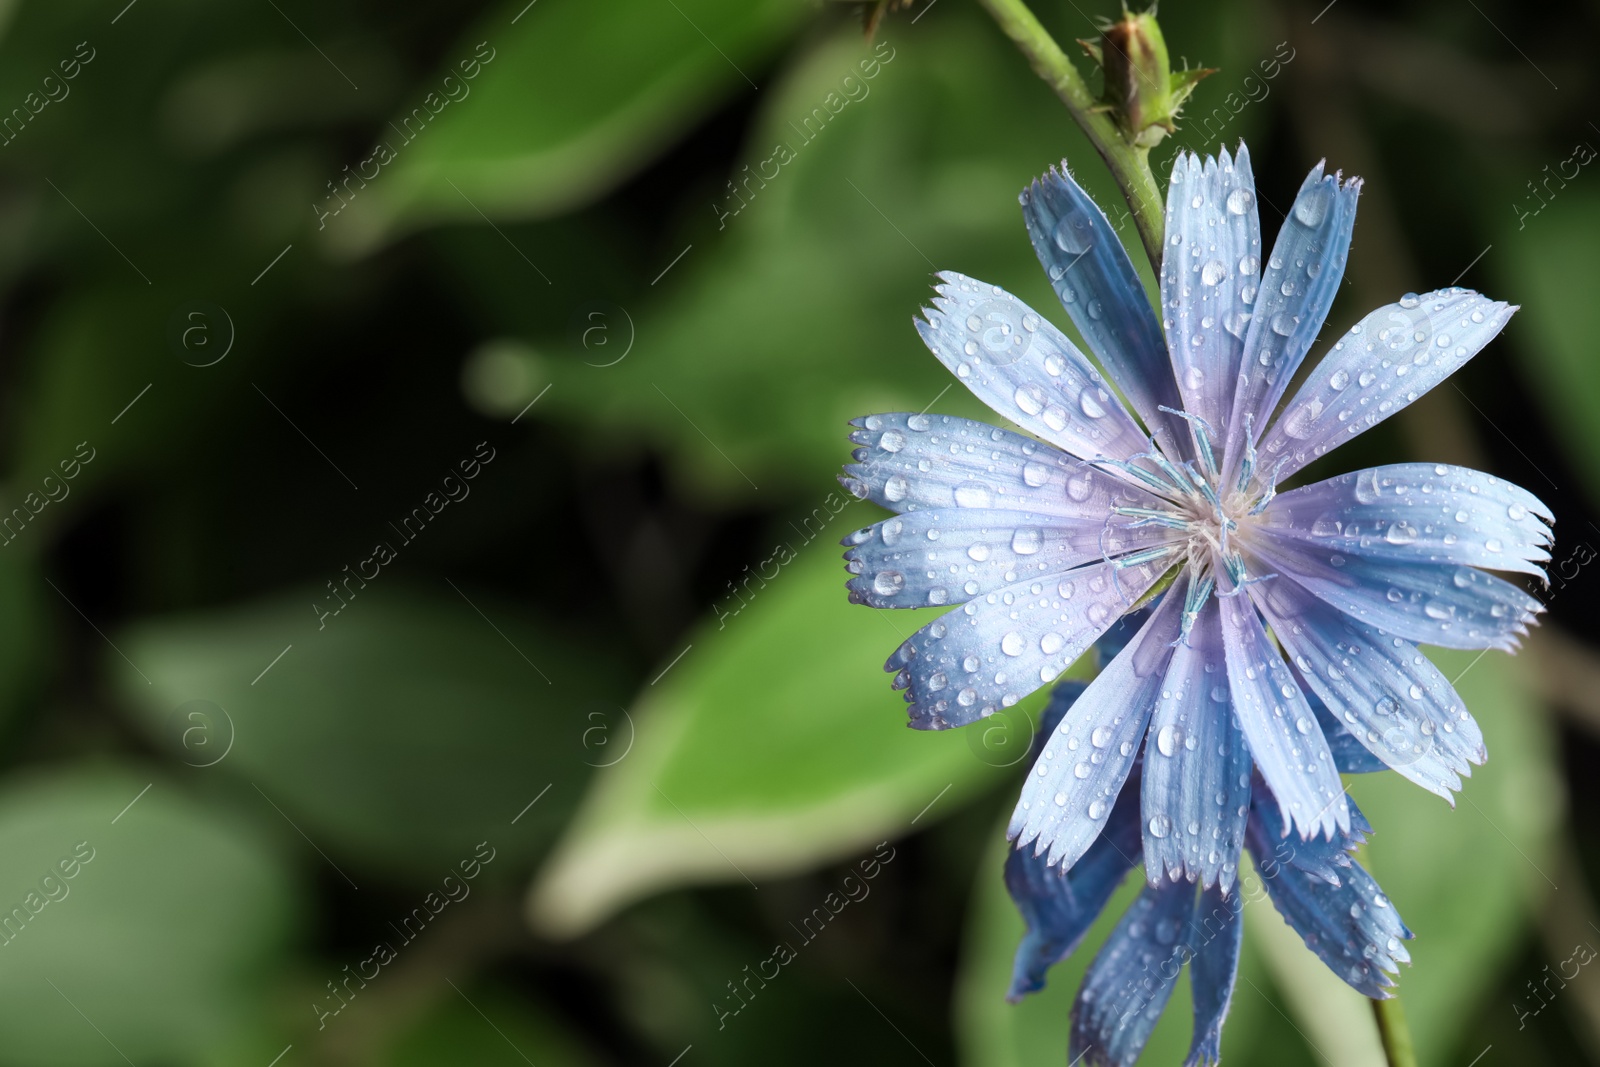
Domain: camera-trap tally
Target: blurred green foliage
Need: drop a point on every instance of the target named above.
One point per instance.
(654, 253)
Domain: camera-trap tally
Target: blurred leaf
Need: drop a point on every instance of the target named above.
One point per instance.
(1547, 267)
(549, 124)
(775, 745)
(494, 1029)
(1467, 881)
(793, 313)
(397, 737)
(993, 1033)
(158, 944)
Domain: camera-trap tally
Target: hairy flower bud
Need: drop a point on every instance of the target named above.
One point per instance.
(1142, 92)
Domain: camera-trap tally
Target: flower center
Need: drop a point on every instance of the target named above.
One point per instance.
(1215, 514)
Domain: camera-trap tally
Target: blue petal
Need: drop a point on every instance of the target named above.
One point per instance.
(1386, 361)
(908, 462)
(1020, 365)
(1080, 773)
(1349, 755)
(1128, 984)
(1284, 737)
(1325, 859)
(1297, 289)
(1090, 271)
(1060, 906)
(1396, 702)
(1419, 513)
(1213, 255)
(1062, 697)
(950, 555)
(991, 652)
(1454, 607)
(1215, 935)
(1352, 927)
(1196, 766)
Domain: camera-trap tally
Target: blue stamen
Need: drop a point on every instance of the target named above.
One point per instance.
(1248, 467)
(1203, 433)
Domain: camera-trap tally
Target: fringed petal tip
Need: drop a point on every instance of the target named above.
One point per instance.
(1189, 164)
(1208, 1053)
(1018, 992)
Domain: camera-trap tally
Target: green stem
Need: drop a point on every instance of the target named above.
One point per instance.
(1394, 1032)
(1130, 166)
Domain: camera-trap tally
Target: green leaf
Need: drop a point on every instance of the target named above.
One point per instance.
(157, 943)
(774, 745)
(405, 731)
(1545, 268)
(793, 313)
(542, 126)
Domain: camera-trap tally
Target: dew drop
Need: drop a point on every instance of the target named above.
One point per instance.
(1027, 540)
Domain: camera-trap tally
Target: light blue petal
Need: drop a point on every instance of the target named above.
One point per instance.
(1128, 984)
(1213, 255)
(1352, 927)
(1076, 779)
(1215, 935)
(993, 651)
(1060, 906)
(1284, 737)
(1297, 289)
(907, 462)
(950, 555)
(1322, 858)
(1349, 755)
(1419, 513)
(1386, 361)
(1090, 271)
(1019, 364)
(1196, 766)
(1453, 607)
(1392, 697)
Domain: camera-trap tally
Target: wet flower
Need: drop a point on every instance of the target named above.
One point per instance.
(1044, 541)
(1329, 900)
